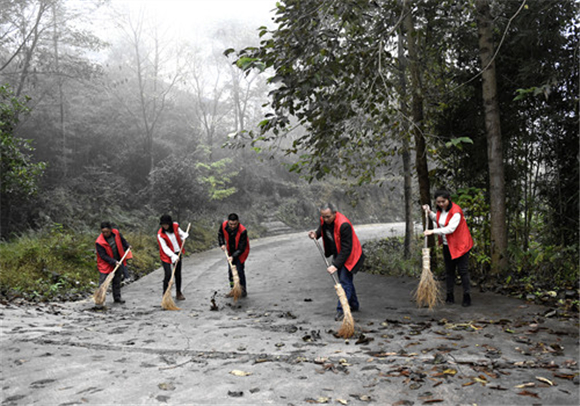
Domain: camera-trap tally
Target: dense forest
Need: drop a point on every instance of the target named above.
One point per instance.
(370, 104)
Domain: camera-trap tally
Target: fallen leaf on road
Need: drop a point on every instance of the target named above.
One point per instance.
(528, 393)
(433, 401)
(526, 385)
(564, 376)
(364, 398)
(403, 403)
(450, 371)
(237, 372)
(545, 380)
(342, 401)
(235, 394)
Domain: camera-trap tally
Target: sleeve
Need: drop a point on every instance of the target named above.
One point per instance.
(221, 239)
(182, 234)
(345, 245)
(242, 244)
(451, 226)
(165, 247)
(103, 254)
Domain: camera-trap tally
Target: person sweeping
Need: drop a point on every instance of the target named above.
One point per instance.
(456, 239)
(342, 244)
(111, 246)
(170, 238)
(233, 240)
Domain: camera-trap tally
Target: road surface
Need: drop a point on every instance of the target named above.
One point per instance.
(277, 345)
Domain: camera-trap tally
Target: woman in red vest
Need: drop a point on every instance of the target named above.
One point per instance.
(170, 238)
(233, 237)
(111, 247)
(342, 243)
(456, 239)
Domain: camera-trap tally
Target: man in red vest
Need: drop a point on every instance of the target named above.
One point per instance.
(233, 237)
(111, 247)
(342, 243)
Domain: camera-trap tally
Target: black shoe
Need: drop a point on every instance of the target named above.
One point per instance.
(466, 300)
(450, 299)
(244, 293)
(121, 301)
(339, 316)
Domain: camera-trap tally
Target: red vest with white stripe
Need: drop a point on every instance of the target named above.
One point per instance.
(356, 250)
(241, 229)
(163, 235)
(102, 265)
(459, 241)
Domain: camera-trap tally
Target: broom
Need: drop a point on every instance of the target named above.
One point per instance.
(167, 301)
(346, 330)
(101, 293)
(236, 291)
(427, 293)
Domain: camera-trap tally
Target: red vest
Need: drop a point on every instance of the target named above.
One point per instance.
(356, 250)
(163, 235)
(241, 229)
(102, 265)
(459, 241)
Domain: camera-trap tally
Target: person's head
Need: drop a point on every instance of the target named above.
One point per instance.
(106, 229)
(166, 223)
(328, 212)
(233, 221)
(442, 200)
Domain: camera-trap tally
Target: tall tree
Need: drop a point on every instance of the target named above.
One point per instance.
(494, 138)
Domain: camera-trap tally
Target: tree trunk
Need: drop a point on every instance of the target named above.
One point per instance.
(494, 141)
(417, 114)
(408, 188)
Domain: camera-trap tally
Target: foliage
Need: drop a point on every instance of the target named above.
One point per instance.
(19, 175)
(386, 257)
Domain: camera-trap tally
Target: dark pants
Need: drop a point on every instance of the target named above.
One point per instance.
(346, 279)
(116, 283)
(167, 268)
(241, 273)
(461, 264)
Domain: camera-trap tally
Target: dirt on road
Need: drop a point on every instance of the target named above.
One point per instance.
(277, 346)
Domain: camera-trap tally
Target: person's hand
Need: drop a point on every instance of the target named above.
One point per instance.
(223, 247)
(230, 259)
(118, 263)
(185, 235)
(427, 232)
(312, 234)
(174, 258)
(426, 208)
(331, 269)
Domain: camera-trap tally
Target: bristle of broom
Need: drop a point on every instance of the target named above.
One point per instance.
(167, 301)
(236, 291)
(101, 293)
(346, 330)
(427, 293)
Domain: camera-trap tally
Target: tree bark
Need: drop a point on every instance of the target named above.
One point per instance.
(417, 114)
(494, 139)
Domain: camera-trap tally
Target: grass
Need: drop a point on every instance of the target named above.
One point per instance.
(386, 257)
(60, 265)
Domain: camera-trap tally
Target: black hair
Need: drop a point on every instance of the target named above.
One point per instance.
(444, 194)
(166, 219)
(106, 224)
(233, 217)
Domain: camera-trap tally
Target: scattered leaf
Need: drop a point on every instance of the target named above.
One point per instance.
(526, 385)
(545, 380)
(237, 372)
(528, 393)
(342, 401)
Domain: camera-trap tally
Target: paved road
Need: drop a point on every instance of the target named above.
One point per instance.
(277, 345)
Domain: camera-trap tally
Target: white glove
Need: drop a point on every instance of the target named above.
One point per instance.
(174, 258)
(185, 235)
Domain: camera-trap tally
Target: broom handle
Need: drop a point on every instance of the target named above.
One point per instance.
(179, 253)
(426, 225)
(325, 261)
(121, 260)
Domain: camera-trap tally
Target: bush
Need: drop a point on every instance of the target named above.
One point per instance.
(386, 257)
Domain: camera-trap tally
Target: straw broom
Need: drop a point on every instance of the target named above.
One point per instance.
(167, 301)
(101, 293)
(427, 293)
(346, 330)
(236, 291)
